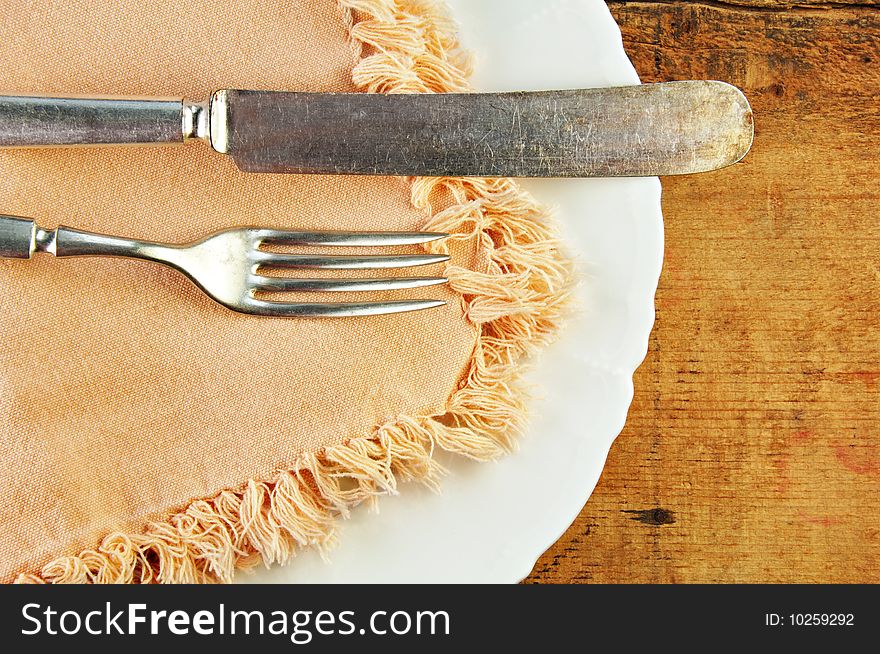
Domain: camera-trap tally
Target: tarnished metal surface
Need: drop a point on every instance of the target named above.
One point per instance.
(655, 129)
(17, 237)
(51, 121)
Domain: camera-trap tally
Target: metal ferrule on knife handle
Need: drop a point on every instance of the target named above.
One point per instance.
(653, 129)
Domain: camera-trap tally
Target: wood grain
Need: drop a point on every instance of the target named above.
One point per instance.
(752, 449)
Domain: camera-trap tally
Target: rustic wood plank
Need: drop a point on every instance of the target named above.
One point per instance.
(752, 450)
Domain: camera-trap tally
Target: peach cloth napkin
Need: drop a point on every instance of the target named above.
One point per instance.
(125, 393)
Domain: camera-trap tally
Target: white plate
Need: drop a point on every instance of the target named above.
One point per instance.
(493, 521)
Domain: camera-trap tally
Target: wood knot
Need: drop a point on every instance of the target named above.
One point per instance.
(654, 517)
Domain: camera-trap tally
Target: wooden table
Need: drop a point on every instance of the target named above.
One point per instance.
(752, 449)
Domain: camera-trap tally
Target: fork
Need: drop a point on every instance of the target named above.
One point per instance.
(229, 265)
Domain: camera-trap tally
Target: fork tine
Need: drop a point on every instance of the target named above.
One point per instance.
(341, 239)
(377, 284)
(335, 310)
(351, 262)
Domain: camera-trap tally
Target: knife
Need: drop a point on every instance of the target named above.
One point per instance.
(670, 128)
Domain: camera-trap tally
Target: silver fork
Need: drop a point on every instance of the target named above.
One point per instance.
(228, 265)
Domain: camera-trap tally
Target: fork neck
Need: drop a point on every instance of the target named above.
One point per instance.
(67, 242)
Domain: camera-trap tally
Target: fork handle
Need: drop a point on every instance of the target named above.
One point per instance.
(17, 237)
(21, 237)
(32, 121)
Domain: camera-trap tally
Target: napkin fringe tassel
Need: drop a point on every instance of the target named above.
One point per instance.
(517, 301)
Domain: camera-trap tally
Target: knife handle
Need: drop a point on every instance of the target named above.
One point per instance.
(31, 121)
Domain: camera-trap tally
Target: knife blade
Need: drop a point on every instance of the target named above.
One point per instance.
(669, 128)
